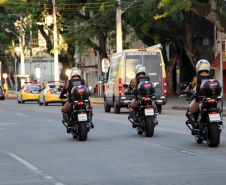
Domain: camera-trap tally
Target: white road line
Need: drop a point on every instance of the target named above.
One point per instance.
(50, 120)
(21, 114)
(180, 150)
(32, 167)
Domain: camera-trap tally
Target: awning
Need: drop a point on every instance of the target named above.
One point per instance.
(216, 63)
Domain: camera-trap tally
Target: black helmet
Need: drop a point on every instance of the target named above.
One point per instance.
(80, 93)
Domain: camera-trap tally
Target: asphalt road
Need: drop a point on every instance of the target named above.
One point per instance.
(36, 150)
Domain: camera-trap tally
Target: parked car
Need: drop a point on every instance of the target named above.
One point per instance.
(50, 93)
(2, 93)
(29, 92)
(121, 72)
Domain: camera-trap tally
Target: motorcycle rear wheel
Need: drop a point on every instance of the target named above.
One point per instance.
(213, 139)
(149, 126)
(82, 131)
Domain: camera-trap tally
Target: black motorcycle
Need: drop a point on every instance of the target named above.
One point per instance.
(209, 118)
(146, 112)
(81, 113)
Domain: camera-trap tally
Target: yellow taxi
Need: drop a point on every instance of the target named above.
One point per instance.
(50, 93)
(29, 92)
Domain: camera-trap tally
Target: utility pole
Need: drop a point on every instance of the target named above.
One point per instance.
(118, 26)
(22, 66)
(56, 63)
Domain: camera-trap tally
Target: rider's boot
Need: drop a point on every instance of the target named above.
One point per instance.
(192, 121)
(135, 120)
(66, 118)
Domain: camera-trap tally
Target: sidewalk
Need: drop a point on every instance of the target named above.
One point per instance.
(172, 102)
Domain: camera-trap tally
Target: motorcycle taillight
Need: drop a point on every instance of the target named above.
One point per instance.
(81, 103)
(211, 101)
(147, 99)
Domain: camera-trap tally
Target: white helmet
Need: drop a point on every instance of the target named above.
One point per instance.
(203, 65)
(75, 72)
(139, 69)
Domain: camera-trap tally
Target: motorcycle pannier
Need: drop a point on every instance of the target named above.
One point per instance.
(211, 88)
(146, 88)
(80, 93)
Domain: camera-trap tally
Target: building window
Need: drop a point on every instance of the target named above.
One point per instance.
(205, 41)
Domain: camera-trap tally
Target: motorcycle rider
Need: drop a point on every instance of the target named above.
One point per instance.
(140, 71)
(75, 80)
(203, 69)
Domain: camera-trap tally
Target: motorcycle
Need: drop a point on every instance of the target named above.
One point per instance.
(209, 118)
(146, 112)
(81, 114)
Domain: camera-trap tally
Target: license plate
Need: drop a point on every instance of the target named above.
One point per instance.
(82, 117)
(149, 112)
(214, 117)
(34, 92)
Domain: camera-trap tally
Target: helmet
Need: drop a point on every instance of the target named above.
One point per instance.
(139, 69)
(75, 72)
(203, 65)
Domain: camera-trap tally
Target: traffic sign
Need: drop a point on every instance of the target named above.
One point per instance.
(105, 65)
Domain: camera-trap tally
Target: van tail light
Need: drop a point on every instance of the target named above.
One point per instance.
(147, 99)
(81, 103)
(211, 101)
(164, 86)
(120, 87)
(27, 91)
(50, 91)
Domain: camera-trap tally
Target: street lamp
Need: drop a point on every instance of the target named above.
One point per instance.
(68, 73)
(21, 39)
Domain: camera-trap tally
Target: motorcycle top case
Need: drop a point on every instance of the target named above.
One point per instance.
(146, 88)
(211, 88)
(80, 93)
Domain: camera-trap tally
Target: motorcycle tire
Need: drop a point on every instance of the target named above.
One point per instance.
(149, 126)
(213, 139)
(82, 131)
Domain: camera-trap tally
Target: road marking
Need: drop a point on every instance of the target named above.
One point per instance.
(180, 150)
(32, 167)
(20, 114)
(50, 120)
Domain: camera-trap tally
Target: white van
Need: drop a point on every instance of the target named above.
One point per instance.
(121, 72)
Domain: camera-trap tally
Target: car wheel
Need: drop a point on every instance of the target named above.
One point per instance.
(116, 108)
(106, 107)
(39, 102)
(45, 103)
(22, 101)
(18, 101)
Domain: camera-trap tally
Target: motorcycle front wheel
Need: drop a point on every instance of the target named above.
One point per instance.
(213, 139)
(82, 131)
(149, 126)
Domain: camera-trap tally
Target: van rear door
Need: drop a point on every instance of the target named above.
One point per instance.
(153, 63)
